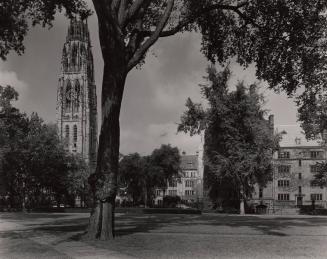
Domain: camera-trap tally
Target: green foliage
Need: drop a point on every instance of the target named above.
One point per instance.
(132, 175)
(142, 174)
(284, 39)
(13, 124)
(16, 16)
(36, 168)
(238, 140)
(164, 164)
(171, 201)
(320, 177)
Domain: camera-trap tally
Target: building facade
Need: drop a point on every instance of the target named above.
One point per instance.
(76, 95)
(293, 170)
(189, 186)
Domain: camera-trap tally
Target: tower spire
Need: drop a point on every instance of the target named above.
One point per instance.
(76, 98)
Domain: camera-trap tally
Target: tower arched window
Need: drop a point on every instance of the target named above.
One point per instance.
(75, 133)
(74, 56)
(77, 96)
(68, 96)
(64, 59)
(67, 132)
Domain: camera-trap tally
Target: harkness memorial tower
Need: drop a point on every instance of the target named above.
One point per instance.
(76, 95)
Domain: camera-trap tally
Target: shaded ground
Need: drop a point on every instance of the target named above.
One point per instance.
(46, 235)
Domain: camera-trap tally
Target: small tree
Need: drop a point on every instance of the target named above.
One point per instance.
(238, 140)
(320, 177)
(142, 175)
(131, 176)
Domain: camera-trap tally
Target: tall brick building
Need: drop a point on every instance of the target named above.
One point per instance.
(76, 95)
(294, 166)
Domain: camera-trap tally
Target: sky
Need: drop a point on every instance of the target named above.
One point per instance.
(154, 96)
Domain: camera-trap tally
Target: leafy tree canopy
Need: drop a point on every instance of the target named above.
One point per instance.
(142, 174)
(283, 38)
(34, 160)
(239, 141)
(320, 177)
(16, 16)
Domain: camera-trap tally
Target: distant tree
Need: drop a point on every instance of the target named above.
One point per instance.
(13, 128)
(132, 175)
(238, 140)
(77, 181)
(13, 123)
(171, 201)
(320, 177)
(281, 37)
(141, 175)
(164, 165)
(36, 166)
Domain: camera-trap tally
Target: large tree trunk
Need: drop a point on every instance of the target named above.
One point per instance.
(104, 181)
(242, 210)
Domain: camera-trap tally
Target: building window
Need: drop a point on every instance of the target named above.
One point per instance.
(316, 196)
(189, 192)
(300, 176)
(283, 183)
(77, 96)
(300, 162)
(284, 168)
(300, 189)
(316, 154)
(75, 133)
(158, 192)
(172, 192)
(283, 197)
(68, 97)
(284, 154)
(260, 193)
(313, 168)
(67, 132)
(172, 183)
(189, 183)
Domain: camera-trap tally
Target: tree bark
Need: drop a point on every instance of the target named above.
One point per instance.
(145, 197)
(242, 210)
(104, 180)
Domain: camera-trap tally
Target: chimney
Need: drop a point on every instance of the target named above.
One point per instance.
(298, 141)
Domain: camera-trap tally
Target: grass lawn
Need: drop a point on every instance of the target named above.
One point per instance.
(165, 236)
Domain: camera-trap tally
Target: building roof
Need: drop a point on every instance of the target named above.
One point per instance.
(295, 137)
(189, 162)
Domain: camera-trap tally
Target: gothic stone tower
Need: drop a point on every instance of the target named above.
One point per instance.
(76, 95)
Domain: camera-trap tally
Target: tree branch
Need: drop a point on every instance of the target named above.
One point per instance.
(107, 18)
(153, 38)
(115, 5)
(122, 12)
(186, 22)
(134, 8)
(136, 38)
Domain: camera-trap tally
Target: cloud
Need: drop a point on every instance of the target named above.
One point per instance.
(154, 136)
(10, 78)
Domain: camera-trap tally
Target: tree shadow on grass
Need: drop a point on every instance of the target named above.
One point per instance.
(210, 224)
(276, 226)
